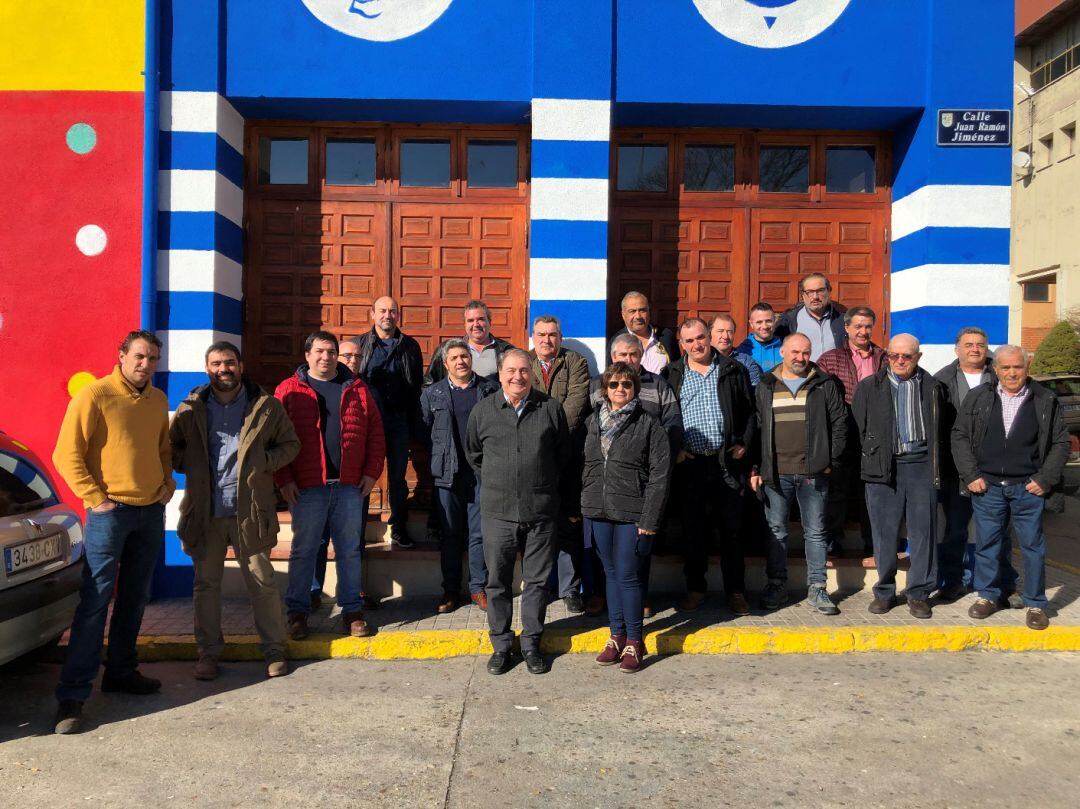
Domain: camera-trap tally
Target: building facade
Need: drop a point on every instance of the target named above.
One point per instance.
(547, 156)
(1045, 283)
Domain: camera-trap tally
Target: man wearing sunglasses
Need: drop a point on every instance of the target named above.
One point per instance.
(897, 412)
(815, 315)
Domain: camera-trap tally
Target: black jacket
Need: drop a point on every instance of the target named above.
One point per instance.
(631, 484)
(826, 424)
(519, 461)
(736, 400)
(664, 336)
(412, 364)
(437, 416)
(875, 419)
(657, 399)
(969, 431)
(949, 377)
(789, 323)
(437, 369)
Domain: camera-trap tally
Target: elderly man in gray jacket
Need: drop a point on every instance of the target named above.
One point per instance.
(518, 444)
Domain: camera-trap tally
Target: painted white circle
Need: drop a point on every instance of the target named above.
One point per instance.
(91, 240)
(770, 25)
(378, 20)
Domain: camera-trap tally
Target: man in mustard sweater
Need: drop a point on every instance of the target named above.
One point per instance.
(114, 453)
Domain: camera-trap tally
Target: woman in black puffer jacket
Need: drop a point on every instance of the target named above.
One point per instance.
(624, 486)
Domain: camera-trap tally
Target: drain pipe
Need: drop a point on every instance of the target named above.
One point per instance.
(151, 82)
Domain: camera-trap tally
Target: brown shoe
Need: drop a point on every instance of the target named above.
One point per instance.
(647, 610)
(880, 606)
(595, 605)
(449, 603)
(692, 602)
(982, 608)
(297, 626)
(276, 668)
(206, 668)
(736, 602)
(919, 608)
(480, 600)
(316, 600)
(1037, 619)
(355, 625)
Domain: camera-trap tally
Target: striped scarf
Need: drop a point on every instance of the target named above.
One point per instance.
(907, 407)
(612, 422)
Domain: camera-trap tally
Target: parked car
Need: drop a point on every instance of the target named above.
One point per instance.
(1067, 388)
(41, 541)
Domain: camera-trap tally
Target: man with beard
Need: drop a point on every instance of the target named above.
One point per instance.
(226, 432)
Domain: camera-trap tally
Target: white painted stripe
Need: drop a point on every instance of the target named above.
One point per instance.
(569, 198)
(950, 285)
(951, 206)
(184, 349)
(936, 356)
(580, 279)
(172, 509)
(199, 271)
(570, 119)
(593, 349)
(200, 190)
(191, 111)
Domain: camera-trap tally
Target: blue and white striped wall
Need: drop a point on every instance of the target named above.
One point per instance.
(569, 210)
(950, 265)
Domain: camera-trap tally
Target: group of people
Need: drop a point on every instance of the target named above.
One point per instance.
(579, 476)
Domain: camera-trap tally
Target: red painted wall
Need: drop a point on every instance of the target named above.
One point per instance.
(61, 311)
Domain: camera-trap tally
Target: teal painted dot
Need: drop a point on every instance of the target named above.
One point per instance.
(81, 138)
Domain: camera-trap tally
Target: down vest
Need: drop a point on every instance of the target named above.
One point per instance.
(363, 446)
(631, 484)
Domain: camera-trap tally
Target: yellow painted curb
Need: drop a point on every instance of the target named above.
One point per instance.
(1063, 566)
(439, 644)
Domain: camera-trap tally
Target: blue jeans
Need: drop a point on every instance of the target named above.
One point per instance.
(336, 508)
(396, 430)
(993, 510)
(813, 497)
(122, 547)
(624, 554)
(320, 558)
(460, 513)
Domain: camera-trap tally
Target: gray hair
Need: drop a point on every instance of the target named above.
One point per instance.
(1011, 349)
(548, 319)
(972, 330)
(624, 339)
(520, 353)
(632, 294)
(858, 311)
(477, 304)
(454, 342)
(692, 321)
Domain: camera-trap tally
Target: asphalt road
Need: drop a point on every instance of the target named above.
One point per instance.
(946, 730)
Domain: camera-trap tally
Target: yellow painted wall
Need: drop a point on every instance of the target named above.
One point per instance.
(71, 44)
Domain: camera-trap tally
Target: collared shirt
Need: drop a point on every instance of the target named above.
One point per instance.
(907, 408)
(864, 362)
(545, 368)
(223, 425)
(819, 331)
(1010, 404)
(485, 361)
(703, 420)
(654, 357)
(519, 408)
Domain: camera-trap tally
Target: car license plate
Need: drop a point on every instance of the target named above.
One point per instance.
(1072, 408)
(33, 553)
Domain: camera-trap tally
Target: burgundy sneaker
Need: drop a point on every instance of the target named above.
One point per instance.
(613, 650)
(630, 661)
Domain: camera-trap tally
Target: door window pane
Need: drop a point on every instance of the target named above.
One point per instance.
(643, 167)
(1037, 292)
(709, 168)
(350, 162)
(425, 163)
(493, 163)
(850, 169)
(785, 169)
(283, 161)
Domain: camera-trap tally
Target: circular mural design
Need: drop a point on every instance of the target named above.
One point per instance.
(771, 23)
(91, 240)
(81, 138)
(378, 20)
(79, 381)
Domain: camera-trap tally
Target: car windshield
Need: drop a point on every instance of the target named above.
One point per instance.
(23, 488)
(1064, 385)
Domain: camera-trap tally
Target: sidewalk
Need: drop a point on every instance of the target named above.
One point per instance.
(410, 629)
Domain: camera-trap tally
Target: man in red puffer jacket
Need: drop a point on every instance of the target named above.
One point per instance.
(342, 450)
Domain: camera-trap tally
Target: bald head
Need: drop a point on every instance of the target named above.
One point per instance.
(795, 353)
(384, 316)
(904, 355)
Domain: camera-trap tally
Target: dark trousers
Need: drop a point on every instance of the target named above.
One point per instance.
(503, 541)
(570, 558)
(911, 498)
(459, 508)
(121, 548)
(623, 553)
(993, 511)
(711, 497)
(396, 430)
(847, 498)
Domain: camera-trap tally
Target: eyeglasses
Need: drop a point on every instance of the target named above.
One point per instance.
(625, 384)
(812, 292)
(348, 356)
(897, 357)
